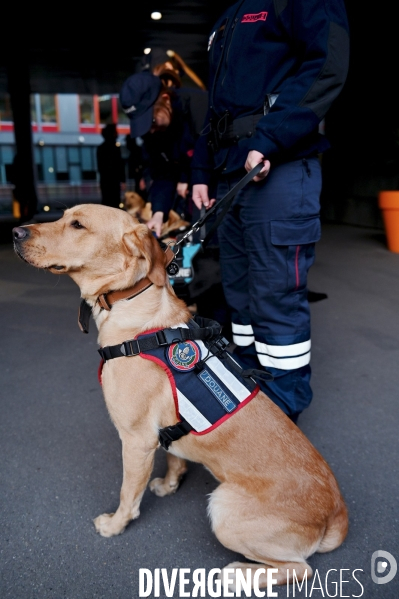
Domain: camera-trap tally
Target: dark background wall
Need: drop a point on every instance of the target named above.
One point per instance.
(363, 125)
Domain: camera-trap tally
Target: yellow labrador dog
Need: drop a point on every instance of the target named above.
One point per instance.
(278, 501)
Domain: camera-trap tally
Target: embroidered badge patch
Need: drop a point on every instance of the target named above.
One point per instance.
(251, 18)
(184, 356)
(222, 397)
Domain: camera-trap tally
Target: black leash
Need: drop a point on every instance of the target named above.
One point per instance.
(224, 202)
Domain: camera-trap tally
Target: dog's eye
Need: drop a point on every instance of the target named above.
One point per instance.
(76, 224)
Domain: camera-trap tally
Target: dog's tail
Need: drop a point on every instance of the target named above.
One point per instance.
(336, 531)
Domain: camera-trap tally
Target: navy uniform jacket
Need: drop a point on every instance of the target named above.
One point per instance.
(298, 49)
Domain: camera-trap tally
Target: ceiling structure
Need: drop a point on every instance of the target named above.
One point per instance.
(95, 55)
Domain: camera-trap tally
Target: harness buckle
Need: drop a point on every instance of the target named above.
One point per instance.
(165, 439)
(172, 335)
(130, 348)
(220, 344)
(173, 433)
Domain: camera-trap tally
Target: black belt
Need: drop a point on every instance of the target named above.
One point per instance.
(239, 128)
(228, 133)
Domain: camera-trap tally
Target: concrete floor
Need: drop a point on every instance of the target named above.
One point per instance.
(61, 460)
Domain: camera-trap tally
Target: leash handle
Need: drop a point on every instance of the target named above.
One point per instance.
(228, 197)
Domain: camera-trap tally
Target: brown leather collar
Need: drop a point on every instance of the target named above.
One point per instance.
(106, 300)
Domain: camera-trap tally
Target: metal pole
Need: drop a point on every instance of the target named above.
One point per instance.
(19, 90)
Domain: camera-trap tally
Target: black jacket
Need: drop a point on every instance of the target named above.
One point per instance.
(167, 155)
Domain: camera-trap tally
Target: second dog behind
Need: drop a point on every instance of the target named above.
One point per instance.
(137, 207)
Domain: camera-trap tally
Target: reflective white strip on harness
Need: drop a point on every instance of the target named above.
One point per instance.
(243, 334)
(191, 414)
(285, 357)
(227, 378)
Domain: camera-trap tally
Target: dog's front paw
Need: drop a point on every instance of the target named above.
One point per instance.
(162, 487)
(107, 526)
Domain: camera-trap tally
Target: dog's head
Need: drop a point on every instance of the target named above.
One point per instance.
(101, 248)
(134, 203)
(137, 207)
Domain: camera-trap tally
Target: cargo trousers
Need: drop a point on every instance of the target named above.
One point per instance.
(267, 245)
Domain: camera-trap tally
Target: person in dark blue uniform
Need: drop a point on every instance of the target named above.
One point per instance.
(275, 69)
(160, 117)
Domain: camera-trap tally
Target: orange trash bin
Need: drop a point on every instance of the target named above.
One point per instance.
(388, 202)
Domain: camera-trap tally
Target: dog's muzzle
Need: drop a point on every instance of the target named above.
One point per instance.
(20, 234)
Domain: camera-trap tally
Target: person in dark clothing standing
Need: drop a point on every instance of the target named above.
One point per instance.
(135, 165)
(158, 116)
(275, 69)
(176, 74)
(111, 167)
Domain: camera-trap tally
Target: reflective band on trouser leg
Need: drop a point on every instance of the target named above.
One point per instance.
(243, 334)
(284, 357)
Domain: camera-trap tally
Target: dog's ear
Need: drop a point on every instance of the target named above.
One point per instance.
(141, 242)
(138, 201)
(173, 217)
